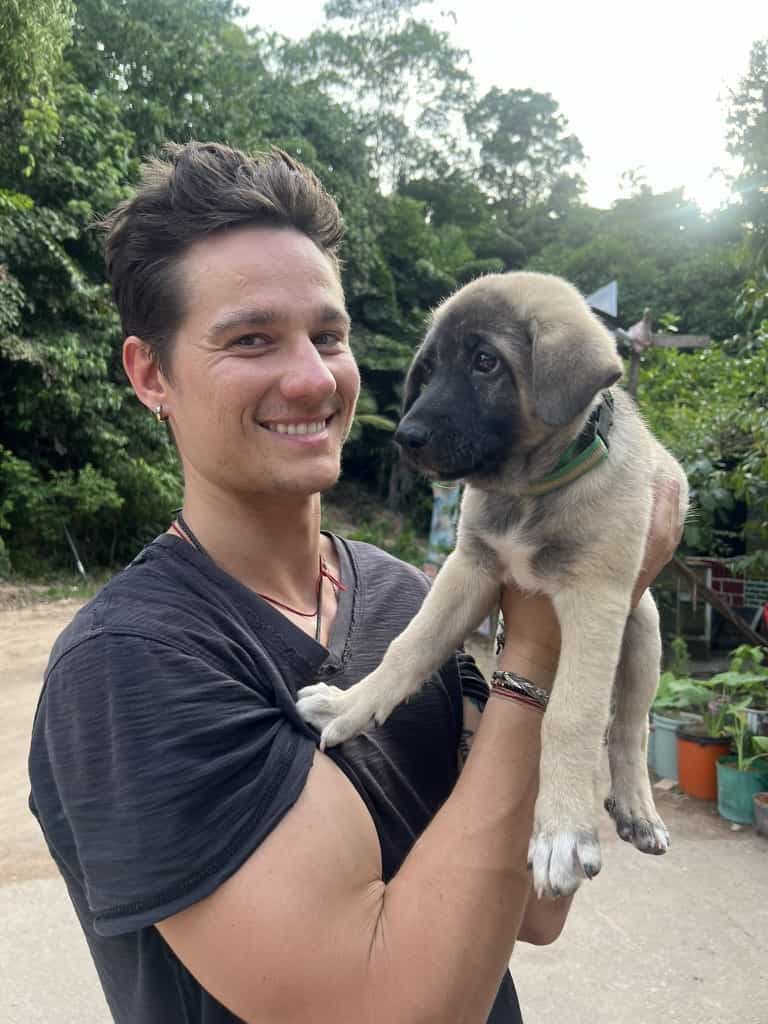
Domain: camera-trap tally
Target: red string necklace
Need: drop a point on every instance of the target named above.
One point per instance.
(181, 527)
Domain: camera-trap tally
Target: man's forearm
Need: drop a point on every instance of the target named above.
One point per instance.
(450, 917)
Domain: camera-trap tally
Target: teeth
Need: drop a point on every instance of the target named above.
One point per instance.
(297, 428)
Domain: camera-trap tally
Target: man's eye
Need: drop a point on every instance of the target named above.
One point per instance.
(251, 341)
(327, 340)
(484, 362)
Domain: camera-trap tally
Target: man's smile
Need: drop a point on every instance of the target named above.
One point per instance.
(298, 427)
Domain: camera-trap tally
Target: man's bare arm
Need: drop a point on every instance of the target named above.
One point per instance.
(307, 929)
(543, 919)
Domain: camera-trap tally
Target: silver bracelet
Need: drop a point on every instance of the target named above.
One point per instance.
(518, 684)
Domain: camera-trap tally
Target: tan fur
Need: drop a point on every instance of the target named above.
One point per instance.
(604, 517)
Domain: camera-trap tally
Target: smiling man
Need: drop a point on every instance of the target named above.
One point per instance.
(222, 868)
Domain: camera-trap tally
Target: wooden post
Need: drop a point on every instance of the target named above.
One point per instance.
(717, 602)
(641, 338)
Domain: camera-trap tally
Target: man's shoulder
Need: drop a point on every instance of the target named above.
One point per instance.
(154, 588)
(390, 590)
(370, 557)
(172, 598)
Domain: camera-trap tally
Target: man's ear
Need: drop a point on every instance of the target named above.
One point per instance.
(571, 364)
(144, 373)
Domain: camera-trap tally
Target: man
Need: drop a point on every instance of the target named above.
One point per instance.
(221, 867)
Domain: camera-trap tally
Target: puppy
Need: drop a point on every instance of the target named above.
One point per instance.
(513, 392)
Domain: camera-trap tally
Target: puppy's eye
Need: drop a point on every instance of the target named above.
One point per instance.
(425, 372)
(484, 362)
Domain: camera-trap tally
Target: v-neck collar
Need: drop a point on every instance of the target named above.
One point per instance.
(328, 660)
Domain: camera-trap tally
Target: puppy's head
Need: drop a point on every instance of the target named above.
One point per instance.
(507, 361)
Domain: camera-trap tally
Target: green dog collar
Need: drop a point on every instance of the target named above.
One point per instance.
(587, 451)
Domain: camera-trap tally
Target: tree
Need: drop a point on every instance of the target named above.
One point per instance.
(400, 75)
(748, 140)
(33, 34)
(664, 253)
(526, 153)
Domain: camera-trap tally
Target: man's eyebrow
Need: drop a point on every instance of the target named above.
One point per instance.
(253, 316)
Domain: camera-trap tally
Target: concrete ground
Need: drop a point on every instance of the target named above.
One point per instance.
(680, 939)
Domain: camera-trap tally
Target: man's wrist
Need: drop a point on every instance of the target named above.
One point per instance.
(536, 663)
(513, 686)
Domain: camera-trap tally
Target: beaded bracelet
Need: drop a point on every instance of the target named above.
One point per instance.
(516, 698)
(511, 683)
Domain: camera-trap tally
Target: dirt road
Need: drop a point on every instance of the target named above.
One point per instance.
(26, 637)
(679, 939)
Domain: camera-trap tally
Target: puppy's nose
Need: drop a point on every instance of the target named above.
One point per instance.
(411, 435)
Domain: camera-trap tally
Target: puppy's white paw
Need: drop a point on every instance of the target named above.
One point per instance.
(338, 715)
(640, 824)
(561, 860)
(319, 704)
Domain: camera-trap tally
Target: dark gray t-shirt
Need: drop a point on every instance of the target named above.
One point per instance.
(166, 747)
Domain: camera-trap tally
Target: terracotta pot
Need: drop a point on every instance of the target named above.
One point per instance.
(697, 756)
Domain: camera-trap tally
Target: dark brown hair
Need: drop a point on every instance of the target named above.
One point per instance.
(187, 193)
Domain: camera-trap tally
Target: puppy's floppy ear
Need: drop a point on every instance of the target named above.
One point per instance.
(571, 364)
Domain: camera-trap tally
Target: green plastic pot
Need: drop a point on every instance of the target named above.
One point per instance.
(760, 808)
(735, 790)
(665, 741)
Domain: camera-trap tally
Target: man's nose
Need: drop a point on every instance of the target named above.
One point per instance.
(307, 374)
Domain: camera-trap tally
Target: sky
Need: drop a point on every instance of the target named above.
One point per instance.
(643, 85)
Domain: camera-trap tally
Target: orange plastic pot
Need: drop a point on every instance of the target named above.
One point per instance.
(697, 762)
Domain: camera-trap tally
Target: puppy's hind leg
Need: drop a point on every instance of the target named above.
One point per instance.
(630, 803)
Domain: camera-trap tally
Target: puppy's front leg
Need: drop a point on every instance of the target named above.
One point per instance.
(564, 847)
(461, 596)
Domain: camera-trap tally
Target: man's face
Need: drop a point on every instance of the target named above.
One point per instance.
(264, 382)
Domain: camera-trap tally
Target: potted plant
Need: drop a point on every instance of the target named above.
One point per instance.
(750, 676)
(700, 745)
(744, 773)
(678, 700)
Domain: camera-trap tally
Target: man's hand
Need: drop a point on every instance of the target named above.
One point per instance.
(664, 535)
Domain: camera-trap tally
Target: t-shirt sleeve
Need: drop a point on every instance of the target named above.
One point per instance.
(156, 773)
(473, 683)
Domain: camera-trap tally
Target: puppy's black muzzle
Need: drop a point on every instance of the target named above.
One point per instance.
(411, 436)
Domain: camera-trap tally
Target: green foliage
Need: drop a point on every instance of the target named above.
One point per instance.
(680, 657)
(679, 694)
(748, 141)
(749, 749)
(664, 252)
(525, 151)
(35, 510)
(404, 543)
(434, 193)
(34, 32)
(721, 700)
(708, 408)
(374, 57)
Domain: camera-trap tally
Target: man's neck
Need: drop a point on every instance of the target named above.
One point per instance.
(273, 547)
